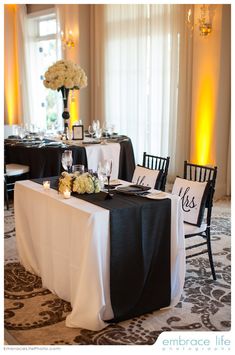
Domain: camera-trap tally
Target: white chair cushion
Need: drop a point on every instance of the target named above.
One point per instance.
(190, 229)
(193, 196)
(16, 169)
(150, 176)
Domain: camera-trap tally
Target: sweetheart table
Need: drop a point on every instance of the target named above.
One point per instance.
(95, 258)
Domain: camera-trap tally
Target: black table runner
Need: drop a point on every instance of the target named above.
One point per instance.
(140, 238)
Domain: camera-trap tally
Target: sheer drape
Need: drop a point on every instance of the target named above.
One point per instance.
(145, 76)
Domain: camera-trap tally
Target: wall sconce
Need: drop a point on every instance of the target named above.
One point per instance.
(67, 41)
(204, 22)
(205, 27)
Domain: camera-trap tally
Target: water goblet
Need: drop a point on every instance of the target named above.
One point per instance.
(108, 169)
(101, 175)
(67, 160)
(21, 132)
(98, 133)
(91, 131)
(41, 134)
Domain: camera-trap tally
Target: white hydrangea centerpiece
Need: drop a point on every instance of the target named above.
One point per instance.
(64, 76)
(65, 73)
(80, 183)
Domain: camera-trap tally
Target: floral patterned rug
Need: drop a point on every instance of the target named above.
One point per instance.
(34, 316)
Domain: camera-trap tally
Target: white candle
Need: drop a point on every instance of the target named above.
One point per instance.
(67, 194)
(46, 185)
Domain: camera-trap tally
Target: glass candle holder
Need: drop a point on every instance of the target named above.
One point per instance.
(46, 185)
(67, 194)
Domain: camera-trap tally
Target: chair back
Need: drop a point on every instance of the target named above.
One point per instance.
(157, 163)
(203, 173)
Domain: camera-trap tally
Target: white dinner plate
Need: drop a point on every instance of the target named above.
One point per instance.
(157, 195)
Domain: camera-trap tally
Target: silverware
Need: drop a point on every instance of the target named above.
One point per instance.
(141, 181)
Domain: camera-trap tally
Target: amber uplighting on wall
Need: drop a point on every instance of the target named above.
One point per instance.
(74, 108)
(205, 91)
(11, 73)
(204, 128)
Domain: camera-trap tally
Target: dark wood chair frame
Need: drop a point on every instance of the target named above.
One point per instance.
(202, 173)
(9, 184)
(157, 163)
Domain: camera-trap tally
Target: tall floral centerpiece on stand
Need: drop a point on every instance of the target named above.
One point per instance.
(64, 76)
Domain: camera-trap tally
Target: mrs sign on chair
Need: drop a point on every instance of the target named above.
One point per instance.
(153, 172)
(197, 191)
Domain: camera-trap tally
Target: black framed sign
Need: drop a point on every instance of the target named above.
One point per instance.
(78, 132)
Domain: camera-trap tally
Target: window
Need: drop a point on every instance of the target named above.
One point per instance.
(142, 49)
(44, 50)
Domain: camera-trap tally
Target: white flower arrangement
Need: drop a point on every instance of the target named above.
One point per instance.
(83, 183)
(65, 73)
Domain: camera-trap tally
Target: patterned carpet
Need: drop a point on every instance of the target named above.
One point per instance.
(34, 316)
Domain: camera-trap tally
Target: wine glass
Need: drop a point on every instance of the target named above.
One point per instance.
(106, 129)
(67, 160)
(21, 132)
(91, 131)
(108, 164)
(98, 133)
(101, 174)
(41, 134)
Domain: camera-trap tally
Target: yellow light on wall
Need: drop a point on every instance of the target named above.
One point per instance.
(11, 91)
(204, 124)
(11, 74)
(73, 107)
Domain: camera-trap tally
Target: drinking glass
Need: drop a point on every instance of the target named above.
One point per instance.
(41, 134)
(98, 133)
(21, 132)
(91, 131)
(67, 160)
(96, 124)
(80, 168)
(108, 164)
(101, 172)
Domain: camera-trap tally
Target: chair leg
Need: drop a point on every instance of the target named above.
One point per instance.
(6, 195)
(208, 237)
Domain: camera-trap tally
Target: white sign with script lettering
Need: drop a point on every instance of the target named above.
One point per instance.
(193, 196)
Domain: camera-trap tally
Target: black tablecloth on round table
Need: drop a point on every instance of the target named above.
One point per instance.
(46, 161)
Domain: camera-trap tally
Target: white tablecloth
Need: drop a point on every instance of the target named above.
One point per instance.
(99, 152)
(66, 242)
